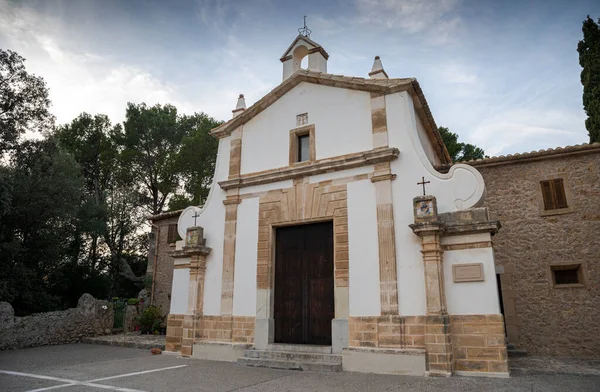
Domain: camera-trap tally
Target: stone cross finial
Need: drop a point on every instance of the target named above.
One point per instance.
(196, 215)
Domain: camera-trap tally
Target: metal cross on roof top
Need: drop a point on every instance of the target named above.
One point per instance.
(423, 182)
(196, 215)
(305, 31)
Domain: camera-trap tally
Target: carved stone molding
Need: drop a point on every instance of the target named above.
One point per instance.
(327, 165)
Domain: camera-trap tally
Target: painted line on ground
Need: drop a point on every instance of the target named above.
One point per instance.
(137, 373)
(69, 383)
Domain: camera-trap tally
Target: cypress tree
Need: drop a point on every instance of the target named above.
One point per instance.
(589, 59)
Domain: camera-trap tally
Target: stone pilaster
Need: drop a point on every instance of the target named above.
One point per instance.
(438, 337)
(388, 279)
(231, 208)
(181, 329)
(235, 153)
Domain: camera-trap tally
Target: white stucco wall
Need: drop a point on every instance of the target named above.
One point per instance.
(244, 290)
(426, 142)
(463, 187)
(471, 297)
(364, 293)
(212, 219)
(180, 291)
(342, 120)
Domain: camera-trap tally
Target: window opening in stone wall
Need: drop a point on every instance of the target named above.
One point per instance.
(172, 234)
(303, 147)
(567, 274)
(553, 192)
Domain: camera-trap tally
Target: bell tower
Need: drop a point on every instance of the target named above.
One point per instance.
(301, 47)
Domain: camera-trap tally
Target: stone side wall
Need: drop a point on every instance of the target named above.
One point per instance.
(163, 279)
(391, 331)
(91, 317)
(541, 318)
(478, 343)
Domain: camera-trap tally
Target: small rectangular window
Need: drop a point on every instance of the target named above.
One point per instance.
(303, 148)
(172, 235)
(567, 274)
(553, 192)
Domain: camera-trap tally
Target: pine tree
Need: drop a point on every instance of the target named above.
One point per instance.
(589, 59)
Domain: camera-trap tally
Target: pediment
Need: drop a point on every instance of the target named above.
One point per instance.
(376, 86)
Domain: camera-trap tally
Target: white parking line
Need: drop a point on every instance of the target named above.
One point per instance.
(136, 373)
(91, 383)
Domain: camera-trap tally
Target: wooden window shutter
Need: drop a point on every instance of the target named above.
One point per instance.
(559, 193)
(547, 194)
(172, 235)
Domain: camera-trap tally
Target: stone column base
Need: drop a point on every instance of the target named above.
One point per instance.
(339, 335)
(438, 345)
(264, 333)
(174, 332)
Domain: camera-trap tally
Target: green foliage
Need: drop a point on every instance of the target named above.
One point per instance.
(164, 151)
(589, 59)
(196, 160)
(133, 301)
(37, 225)
(150, 320)
(459, 151)
(74, 205)
(23, 101)
(151, 141)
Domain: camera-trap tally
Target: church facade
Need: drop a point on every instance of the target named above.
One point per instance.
(329, 236)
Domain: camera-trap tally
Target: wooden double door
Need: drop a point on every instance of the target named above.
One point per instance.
(304, 284)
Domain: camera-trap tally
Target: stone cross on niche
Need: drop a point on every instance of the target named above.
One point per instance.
(196, 215)
(423, 182)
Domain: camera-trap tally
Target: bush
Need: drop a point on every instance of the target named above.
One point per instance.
(133, 301)
(150, 320)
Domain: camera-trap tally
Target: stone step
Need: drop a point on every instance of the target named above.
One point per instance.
(293, 356)
(299, 348)
(291, 365)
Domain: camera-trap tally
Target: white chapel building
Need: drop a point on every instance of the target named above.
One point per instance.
(330, 242)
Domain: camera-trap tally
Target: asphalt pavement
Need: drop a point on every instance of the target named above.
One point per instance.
(85, 367)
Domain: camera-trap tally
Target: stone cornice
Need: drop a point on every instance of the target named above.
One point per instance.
(165, 215)
(551, 153)
(188, 251)
(491, 226)
(343, 162)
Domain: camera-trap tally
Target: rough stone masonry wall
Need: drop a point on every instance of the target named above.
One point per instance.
(91, 317)
(163, 279)
(541, 318)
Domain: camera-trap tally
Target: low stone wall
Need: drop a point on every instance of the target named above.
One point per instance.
(91, 317)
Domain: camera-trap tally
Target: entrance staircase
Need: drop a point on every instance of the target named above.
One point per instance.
(293, 357)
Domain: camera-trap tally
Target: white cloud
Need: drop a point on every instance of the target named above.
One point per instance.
(524, 130)
(432, 18)
(77, 81)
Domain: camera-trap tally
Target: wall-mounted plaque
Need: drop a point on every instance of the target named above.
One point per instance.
(468, 272)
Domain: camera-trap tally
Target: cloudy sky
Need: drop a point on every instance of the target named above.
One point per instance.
(502, 74)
